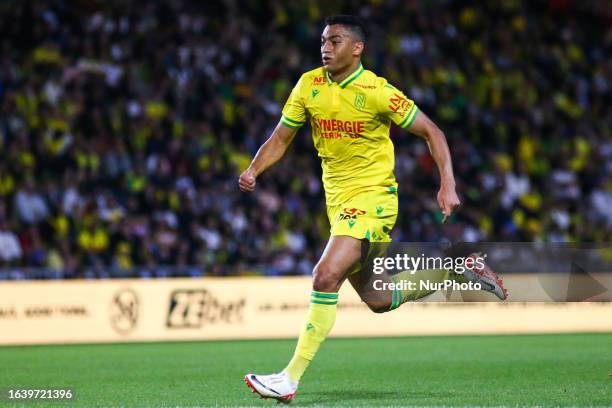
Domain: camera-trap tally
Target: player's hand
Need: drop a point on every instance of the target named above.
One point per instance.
(246, 181)
(448, 201)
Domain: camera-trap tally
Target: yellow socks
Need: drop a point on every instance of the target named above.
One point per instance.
(321, 318)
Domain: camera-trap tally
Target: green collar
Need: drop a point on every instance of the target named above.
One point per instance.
(350, 78)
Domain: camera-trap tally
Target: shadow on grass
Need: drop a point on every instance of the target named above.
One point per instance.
(367, 395)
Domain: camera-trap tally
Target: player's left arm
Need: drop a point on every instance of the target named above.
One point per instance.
(447, 196)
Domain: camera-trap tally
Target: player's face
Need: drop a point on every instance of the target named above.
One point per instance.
(338, 48)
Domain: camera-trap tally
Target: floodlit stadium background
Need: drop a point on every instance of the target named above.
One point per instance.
(124, 126)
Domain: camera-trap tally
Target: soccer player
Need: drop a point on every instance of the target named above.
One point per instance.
(351, 110)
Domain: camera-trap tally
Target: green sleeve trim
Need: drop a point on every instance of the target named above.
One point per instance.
(290, 125)
(295, 122)
(324, 295)
(410, 112)
(407, 116)
(413, 114)
(320, 302)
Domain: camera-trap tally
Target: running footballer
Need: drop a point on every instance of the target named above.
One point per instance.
(351, 110)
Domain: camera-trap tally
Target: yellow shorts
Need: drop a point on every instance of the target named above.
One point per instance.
(369, 215)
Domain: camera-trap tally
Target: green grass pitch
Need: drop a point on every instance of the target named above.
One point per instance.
(527, 370)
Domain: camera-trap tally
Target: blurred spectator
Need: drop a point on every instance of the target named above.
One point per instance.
(30, 203)
(10, 248)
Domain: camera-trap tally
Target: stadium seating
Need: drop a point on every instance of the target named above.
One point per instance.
(123, 130)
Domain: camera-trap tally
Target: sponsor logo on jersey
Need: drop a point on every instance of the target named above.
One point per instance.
(365, 86)
(399, 104)
(318, 81)
(350, 214)
(336, 129)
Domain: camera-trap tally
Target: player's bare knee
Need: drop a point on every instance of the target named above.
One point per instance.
(378, 302)
(378, 306)
(324, 279)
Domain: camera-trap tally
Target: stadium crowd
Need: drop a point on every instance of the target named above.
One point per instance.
(124, 126)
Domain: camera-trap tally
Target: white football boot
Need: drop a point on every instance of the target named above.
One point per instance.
(490, 281)
(278, 386)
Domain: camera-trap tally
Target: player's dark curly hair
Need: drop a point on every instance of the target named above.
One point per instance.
(353, 23)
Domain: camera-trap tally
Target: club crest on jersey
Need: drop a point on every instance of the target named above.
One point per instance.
(360, 101)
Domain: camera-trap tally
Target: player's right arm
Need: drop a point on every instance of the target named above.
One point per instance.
(269, 153)
(293, 118)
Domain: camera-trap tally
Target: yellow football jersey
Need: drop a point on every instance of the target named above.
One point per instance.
(350, 124)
